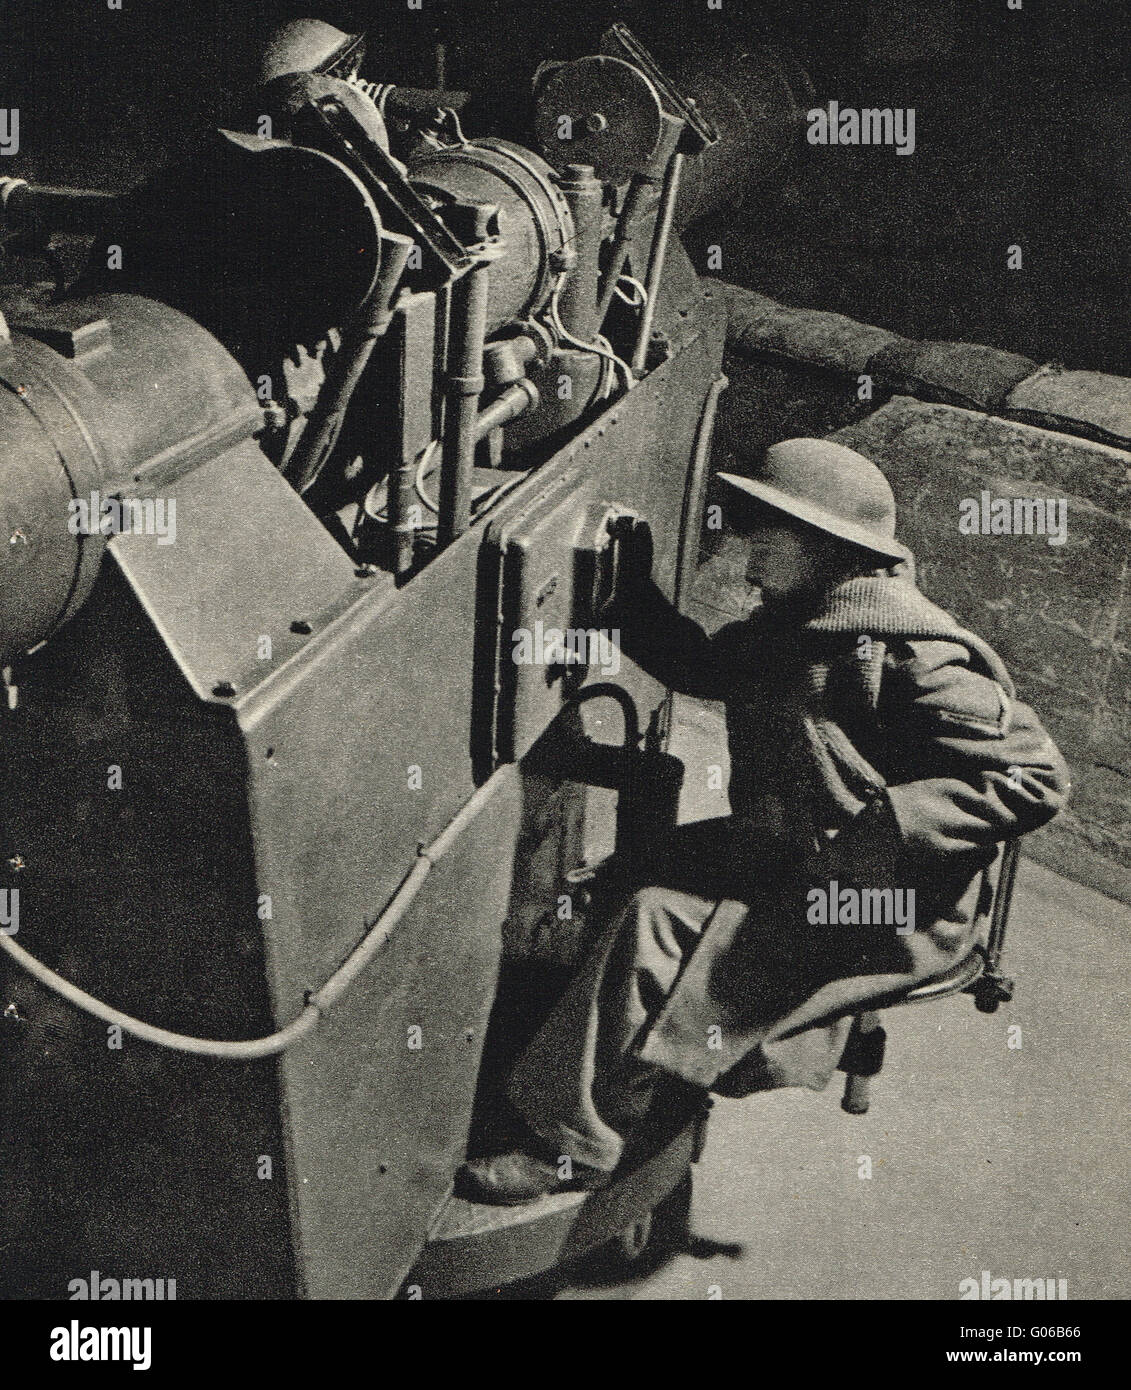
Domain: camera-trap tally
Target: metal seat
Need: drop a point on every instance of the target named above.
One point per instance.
(978, 973)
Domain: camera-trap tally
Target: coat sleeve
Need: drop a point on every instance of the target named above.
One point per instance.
(985, 769)
(978, 766)
(674, 649)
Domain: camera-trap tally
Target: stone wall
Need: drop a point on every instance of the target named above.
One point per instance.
(947, 422)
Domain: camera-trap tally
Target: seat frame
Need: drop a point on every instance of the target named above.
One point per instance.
(978, 974)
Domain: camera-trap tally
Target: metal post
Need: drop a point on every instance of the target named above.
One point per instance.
(664, 220)
(416, 365)
(578, 306)
(464, 387)
(622, 242)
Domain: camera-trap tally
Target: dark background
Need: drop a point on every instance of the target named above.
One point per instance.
(1022, 135)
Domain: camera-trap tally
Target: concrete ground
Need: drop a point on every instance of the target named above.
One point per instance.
(995, 1142)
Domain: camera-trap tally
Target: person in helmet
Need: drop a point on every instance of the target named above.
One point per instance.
(310, 45)
(879, 754)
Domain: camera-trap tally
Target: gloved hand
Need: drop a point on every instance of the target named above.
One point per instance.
(637, 555)
(865, 852)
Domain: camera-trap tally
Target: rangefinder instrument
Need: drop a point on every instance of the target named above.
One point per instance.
(394, 391)
(435, 759)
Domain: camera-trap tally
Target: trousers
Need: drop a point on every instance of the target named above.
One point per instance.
(579, 1084)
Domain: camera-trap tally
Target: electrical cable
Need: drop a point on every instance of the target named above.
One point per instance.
(318, 1002)
(641, 298)
(426, 456)
(594, 347)
(495, 494)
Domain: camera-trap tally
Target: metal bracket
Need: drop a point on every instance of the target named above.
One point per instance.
(699, 133)
(991, 989)
(386, 182)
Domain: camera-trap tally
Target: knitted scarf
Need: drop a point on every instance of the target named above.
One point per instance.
(878, 606)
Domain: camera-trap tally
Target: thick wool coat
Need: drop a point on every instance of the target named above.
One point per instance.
(875, 744)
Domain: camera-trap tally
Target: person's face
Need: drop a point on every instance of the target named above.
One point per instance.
(784, 561)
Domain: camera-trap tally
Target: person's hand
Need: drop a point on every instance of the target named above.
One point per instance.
(632, 573)
(637, 554)
(866, 851)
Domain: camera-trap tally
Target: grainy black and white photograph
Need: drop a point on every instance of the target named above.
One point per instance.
(565, 629)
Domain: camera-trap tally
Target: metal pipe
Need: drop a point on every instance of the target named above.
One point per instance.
(403, 532)
(324, 427)
(516, 400)
(660, 238)
(622, 243)
(691, 519)
(506, 360)
(1007, 874)
(416, 369)
(464, 386)
(578, 302)
(413, 104)
(28, 207)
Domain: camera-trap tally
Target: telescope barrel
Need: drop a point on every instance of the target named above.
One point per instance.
(98, 396)
(41, 207)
